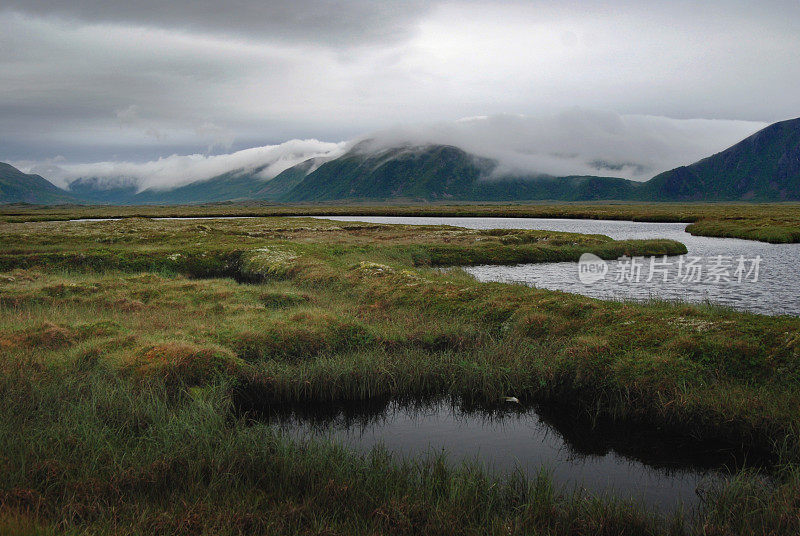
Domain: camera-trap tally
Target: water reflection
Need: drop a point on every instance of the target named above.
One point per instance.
(642, 464)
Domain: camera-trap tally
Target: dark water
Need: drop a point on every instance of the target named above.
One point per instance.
(776, 291)
(645, 466)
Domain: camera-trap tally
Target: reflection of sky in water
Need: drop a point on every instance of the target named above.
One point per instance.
(518, 441)
(777, 290)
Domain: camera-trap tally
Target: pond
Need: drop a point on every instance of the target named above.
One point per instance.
(648, 467)
(768, 284)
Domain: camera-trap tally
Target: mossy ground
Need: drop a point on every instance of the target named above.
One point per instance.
(766, 222)
(130, 348)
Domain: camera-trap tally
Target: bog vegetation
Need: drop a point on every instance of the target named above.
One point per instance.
(770, 222)
(133, 353)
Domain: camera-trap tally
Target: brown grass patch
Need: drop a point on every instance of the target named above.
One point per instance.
(46, 336)
(128, 305)
(190, 364)
(303, 335)
(588, 348)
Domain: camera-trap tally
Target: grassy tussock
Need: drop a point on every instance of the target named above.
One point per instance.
(125, 368)
(185, 364)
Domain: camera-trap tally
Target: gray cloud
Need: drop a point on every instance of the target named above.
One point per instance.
(575, 141)
(342, 22)
(192, 77)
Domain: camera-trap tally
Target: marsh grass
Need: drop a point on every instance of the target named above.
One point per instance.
(113, 457)
(767, 222)
(132, 353)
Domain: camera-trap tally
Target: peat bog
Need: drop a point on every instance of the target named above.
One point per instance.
(141, 358)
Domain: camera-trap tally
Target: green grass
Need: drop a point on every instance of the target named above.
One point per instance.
(126, 349)
(775, 231)
(766, 222)
(122, 459)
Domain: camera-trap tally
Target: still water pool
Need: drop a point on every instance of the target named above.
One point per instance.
(646, 466)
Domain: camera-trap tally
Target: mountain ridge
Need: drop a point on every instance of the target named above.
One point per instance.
(762, 167)
(441, 172)
(19, 187)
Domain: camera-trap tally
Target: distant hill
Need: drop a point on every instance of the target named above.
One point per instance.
(763, 167)
(19, 187)
(434, 172)
(441, 172)
(232, 186)
(97, 191)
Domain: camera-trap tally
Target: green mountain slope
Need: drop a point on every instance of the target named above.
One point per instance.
(227, 187)
(763, 167)
(94, 190)
(282, 184)
(19, 187)
(438, 172)
(441, 172)
(230, 186)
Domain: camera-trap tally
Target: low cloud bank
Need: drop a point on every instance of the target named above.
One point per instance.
(573, 142)
(178, 170)
(576, 142)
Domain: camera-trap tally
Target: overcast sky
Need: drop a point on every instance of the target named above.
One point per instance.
(91, 80)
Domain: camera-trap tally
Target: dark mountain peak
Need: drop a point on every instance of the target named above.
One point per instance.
(440, 172)
(8, 168)
(372, 148)
(763, 167)
(441, 154)
(780, 128)
(405, 171)
(19, 187)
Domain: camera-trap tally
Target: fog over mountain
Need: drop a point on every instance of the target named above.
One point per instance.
(178, 170)
(572, 142)
(575, 141)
